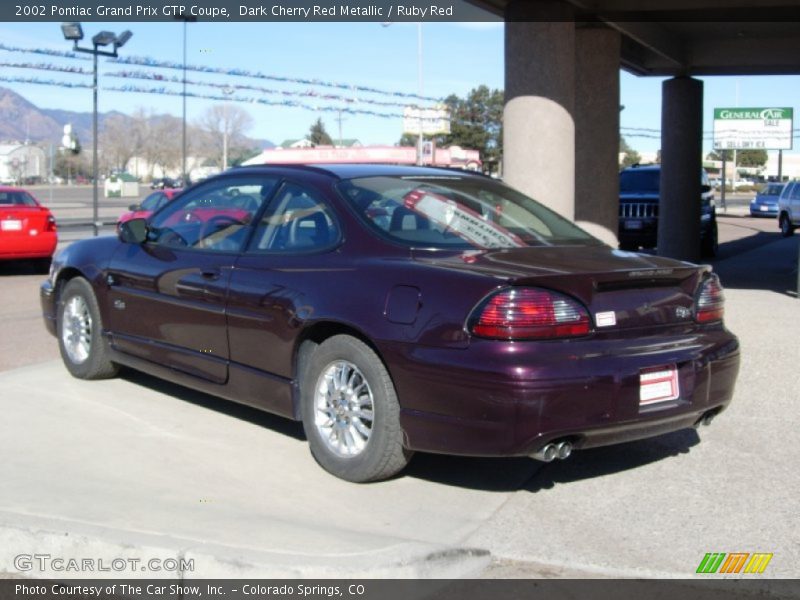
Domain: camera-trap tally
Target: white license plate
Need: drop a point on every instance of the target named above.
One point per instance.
(659, 384)
(633, 224)
(764, 208)
(11, 225)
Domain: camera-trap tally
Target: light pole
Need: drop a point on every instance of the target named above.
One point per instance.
(186, 18)
(419, 93)
(225, 127)
(74, 32)
(419, 87)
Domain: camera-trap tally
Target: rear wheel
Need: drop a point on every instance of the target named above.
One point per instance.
(787, 228)
(83, 349)
(350, 411)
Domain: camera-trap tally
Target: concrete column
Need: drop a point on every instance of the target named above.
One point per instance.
(681, 164)
(597, 131)
(538, 128)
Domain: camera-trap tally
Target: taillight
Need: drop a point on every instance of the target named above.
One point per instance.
(710, 304)
(527, 314)
(50, 224)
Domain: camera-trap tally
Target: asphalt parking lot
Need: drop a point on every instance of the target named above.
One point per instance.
(138, 466)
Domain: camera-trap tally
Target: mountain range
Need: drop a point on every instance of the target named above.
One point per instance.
(21, 120)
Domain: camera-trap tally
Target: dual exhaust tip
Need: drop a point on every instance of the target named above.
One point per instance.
(552, 451)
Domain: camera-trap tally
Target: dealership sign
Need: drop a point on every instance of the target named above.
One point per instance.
(433, 120)
(753, 128)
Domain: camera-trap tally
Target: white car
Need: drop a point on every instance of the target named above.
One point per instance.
(789, 208)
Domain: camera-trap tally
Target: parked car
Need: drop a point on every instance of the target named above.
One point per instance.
(639, 197)
(148, 206)
(472, 320)
(789, 208)
(27, 229)
(164, 183)
(765, 204)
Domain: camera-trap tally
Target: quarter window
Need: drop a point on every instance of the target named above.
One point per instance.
(297, 220)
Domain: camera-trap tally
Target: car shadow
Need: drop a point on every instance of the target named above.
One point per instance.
(484, 474)
(13, 268)
(763, 261)
(526, 474)
(261, 418)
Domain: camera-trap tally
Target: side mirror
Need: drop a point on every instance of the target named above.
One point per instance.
(705, 188)
(133, 231)
(135, 207)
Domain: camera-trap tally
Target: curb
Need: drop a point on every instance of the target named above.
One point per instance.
(89, 551)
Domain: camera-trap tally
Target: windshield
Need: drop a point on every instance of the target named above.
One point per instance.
(639, 180)
(457, 212)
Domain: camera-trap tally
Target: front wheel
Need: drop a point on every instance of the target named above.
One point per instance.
(80, 340)
(350, 411)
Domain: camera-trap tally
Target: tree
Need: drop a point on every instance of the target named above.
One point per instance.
(631, 157)
(318, 136)
(223, 133)
(744, 158)
(120, 140)
(476, 122)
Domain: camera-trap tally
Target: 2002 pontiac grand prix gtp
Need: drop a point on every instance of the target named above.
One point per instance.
(395, 309)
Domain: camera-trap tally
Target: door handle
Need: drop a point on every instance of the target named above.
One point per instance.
(210, 274)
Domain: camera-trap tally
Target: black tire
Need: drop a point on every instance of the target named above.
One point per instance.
(710, 246)
(787, 229)
(382, 454)
(78, 304)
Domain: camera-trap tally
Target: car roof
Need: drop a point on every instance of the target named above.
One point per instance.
(642, 168)
(352, 171)
(8, 188)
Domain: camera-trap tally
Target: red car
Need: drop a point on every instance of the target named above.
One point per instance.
(27, 229)
(149, 205)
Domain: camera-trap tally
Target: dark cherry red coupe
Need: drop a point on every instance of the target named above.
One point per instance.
(395, 309)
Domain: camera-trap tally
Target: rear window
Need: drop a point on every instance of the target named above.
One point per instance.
(771, 190)
(639, 180)
(17, 199)
(456, 212)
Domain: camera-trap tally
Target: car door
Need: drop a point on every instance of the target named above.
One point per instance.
(167, 295)
(273, 287)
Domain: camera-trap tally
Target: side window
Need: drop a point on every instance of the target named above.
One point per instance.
(297, 220)
(213, 217)
(796, 192)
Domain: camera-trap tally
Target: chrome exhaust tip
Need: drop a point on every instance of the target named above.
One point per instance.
(546, 454)
(564, 449)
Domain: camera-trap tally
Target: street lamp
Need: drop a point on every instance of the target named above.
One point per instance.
(73, 32)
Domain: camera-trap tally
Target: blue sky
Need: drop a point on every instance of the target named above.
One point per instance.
(456, 58)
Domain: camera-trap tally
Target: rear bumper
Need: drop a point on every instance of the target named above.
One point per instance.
(480, 402)
(40, 246)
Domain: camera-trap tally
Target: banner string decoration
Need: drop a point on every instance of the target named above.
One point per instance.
(45, 51)
(238, 86)
(150, 62)
(46, 67)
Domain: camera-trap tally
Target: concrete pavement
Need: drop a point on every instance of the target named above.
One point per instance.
(138, 468)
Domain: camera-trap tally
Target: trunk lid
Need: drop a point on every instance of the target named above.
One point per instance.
(21, 220)
(621, 290)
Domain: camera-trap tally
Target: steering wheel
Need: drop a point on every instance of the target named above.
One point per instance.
(170, 237)
(218, 223)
